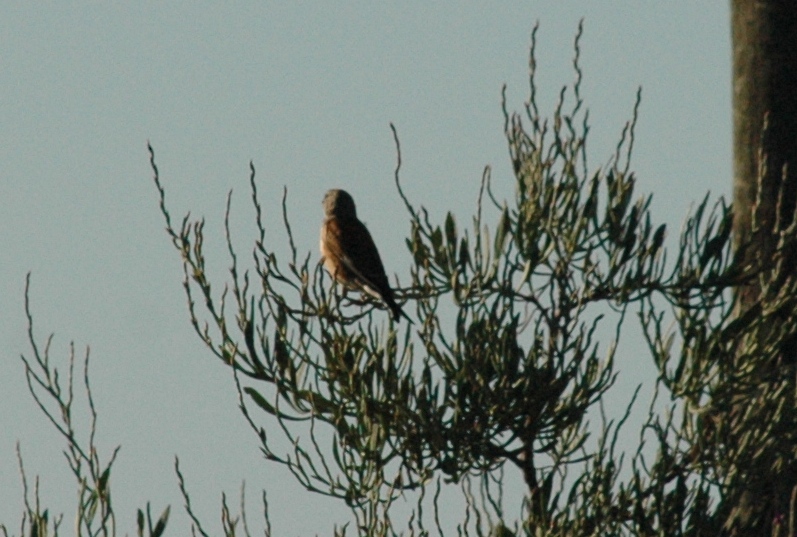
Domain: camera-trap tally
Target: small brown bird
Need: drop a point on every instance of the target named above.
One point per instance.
(349, 253)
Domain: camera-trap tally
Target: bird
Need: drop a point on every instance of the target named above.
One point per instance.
(349, 254)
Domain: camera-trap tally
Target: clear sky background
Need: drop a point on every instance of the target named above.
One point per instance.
(306, 91)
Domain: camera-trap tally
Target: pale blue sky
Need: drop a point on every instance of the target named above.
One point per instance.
(306, 91)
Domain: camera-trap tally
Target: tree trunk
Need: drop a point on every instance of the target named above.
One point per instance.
(764, 35)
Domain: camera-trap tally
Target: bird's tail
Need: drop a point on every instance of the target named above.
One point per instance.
(398, 313)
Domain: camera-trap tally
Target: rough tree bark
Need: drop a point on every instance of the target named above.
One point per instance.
(764, 35)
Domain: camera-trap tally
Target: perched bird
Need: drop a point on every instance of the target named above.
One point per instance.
(349, 253)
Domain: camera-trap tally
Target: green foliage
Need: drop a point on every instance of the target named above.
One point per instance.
(55, 397)
(509, 358)
(505, 363)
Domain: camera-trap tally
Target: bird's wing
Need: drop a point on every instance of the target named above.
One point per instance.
(358, 254)
(350, 255)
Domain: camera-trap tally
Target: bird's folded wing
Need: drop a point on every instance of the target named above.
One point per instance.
(352, 244)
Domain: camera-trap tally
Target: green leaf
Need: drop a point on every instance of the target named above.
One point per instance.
(260, 401)
(547, 485)
(320, 404)
(281, 354)
(160, 527)
(102, 486)
(140, 523)
(437, 239)
(451, 230)
(501, 232)
(464, 252)
(658, 238)
(591, 203)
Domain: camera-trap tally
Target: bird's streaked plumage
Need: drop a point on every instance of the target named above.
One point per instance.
(349, 252)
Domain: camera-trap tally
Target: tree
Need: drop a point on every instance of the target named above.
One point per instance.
(765, 198)
(505, 378)
(765, 118)
(510, 354)
(55, 394)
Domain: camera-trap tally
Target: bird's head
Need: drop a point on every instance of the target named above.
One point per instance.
(339, 203)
